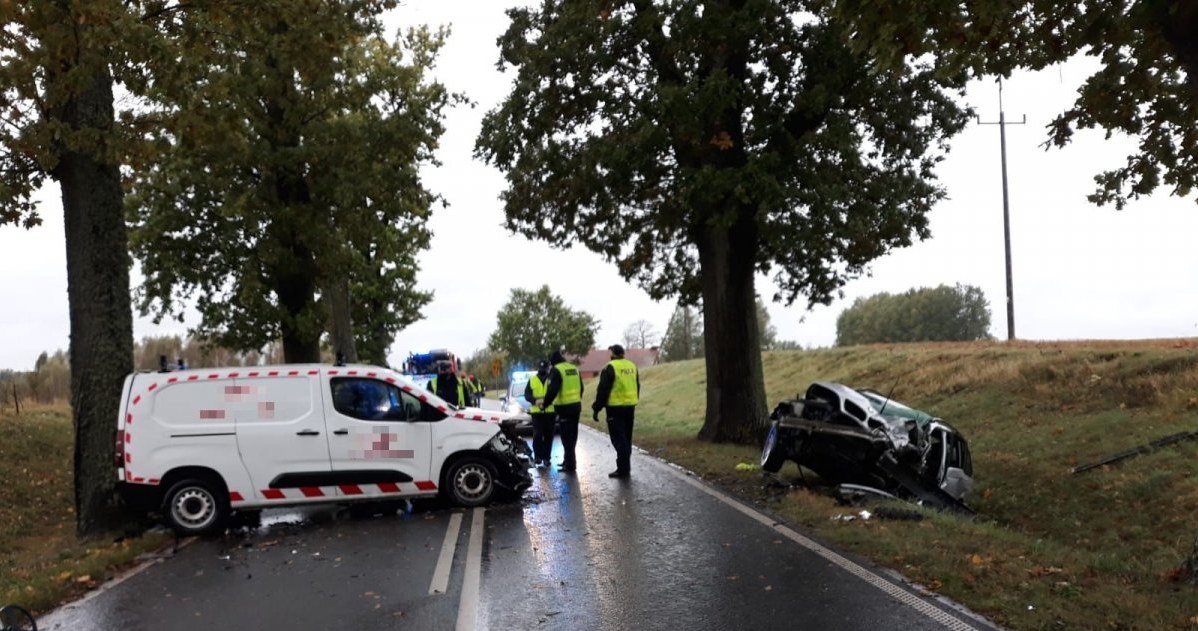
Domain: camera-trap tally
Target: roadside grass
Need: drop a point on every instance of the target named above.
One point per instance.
(1048, 549)
(42, 561)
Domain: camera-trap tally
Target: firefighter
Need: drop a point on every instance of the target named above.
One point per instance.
(543, 415)
(564, 393)
(448, 386)
(619, 391)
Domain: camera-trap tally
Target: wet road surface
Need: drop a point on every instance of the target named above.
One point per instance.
(579, 551)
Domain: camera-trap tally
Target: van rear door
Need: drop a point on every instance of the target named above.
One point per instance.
(281, 435)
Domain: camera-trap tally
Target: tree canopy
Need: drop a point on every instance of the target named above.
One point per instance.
(281, 175)
(533, 324)
(927, 314)
(696, 144)
(640, 334)
(1146, 85)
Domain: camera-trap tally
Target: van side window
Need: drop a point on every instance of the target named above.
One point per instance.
(372, 400)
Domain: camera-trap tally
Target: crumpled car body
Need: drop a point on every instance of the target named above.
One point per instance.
(862, 438)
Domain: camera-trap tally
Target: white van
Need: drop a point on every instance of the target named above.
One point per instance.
(199, 444)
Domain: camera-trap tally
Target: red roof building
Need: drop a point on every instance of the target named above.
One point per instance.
(593, 363)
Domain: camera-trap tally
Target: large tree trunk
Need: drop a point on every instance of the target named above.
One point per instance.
(343, 325)
(100, 308)
(735, 385)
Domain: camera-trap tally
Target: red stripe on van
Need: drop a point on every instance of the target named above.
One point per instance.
(372, 374)
(153, 481)
(273, 373)
(352, 373)
(272, 494)
(460, 415)
(172, 380)
(392, 380)
(214, 376)
(388, 487)
(311, 491)
(313, 372)
(423, 398)
(234, 496)
(138, 480)
(405, 388)
(128, 457)
(426, 485)
(253, 374)
(333, 372)
(292, 373)
(137, 399)
(152, 387)
(233, 375)
(193, 378)
(351, 489)
(477, 417)
(128, 419)
(128, 437)
(442, 408)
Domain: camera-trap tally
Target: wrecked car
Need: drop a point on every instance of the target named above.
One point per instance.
(865, 441)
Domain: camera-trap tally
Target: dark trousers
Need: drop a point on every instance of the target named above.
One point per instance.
(619, 427)
(542, 436)
(568, 414)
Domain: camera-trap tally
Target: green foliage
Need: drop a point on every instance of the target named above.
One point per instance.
(630, 128)
(684, 335)
(284, 158)
(1145, 87)
(937, 314)
(531, 325)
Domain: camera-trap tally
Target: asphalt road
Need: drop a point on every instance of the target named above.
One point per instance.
(579, 551)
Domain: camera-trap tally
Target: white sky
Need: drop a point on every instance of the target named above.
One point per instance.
(1080, 272)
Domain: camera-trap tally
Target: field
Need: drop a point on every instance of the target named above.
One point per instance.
(1049, 549)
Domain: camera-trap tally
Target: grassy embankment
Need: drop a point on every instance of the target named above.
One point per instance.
(42, 562)
(1049, 549)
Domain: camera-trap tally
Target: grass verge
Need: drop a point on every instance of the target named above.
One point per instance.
(42, 561)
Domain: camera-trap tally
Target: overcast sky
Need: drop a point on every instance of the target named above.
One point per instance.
(1080, 272)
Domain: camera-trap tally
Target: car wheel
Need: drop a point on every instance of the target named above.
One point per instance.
(471, 481)
(16, 618)
(194, 507)
(773, 454)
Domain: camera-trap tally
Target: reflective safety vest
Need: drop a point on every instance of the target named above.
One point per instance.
(571, 391)
(461, 402)
(538, 392)
(623, 389)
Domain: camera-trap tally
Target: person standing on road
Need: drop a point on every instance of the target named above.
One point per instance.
(448, 386)
(543, 415)
(564, 393)
(619, 391)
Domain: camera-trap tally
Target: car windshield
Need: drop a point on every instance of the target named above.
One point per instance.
(893, 409)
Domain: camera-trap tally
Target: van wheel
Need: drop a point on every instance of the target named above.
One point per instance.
(193, 507)
(470, 481)
(773, 454)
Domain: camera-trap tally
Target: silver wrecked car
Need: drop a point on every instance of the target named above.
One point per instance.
(862, 438)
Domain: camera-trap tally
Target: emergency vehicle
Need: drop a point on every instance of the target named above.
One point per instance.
(420, 368)
(200, 444)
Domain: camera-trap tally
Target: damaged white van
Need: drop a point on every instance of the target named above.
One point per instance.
(200, 444)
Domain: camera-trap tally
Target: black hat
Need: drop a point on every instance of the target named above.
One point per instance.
(556, 357)
(543, 365)
(616, 350)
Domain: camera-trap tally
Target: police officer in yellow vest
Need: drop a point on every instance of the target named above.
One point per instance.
(619, 391)
(542, 415)
(448, 385)
(564, 393)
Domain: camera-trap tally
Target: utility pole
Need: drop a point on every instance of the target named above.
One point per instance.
(1006, 210)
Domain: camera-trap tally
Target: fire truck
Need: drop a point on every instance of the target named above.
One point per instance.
(422, 367)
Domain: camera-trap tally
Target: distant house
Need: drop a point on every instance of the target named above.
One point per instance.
(593, 363)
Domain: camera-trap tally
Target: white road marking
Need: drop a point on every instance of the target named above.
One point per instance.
(468, 607)
(444, 562)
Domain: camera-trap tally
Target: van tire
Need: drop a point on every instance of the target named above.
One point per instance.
(470, 481)
(195, 506)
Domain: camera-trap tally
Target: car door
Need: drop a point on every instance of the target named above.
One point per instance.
(380, 442)
(281, 435)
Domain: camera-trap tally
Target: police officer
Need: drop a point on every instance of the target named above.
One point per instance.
(619, 391)
(564, 393)
(447, 385)
(543, 415)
